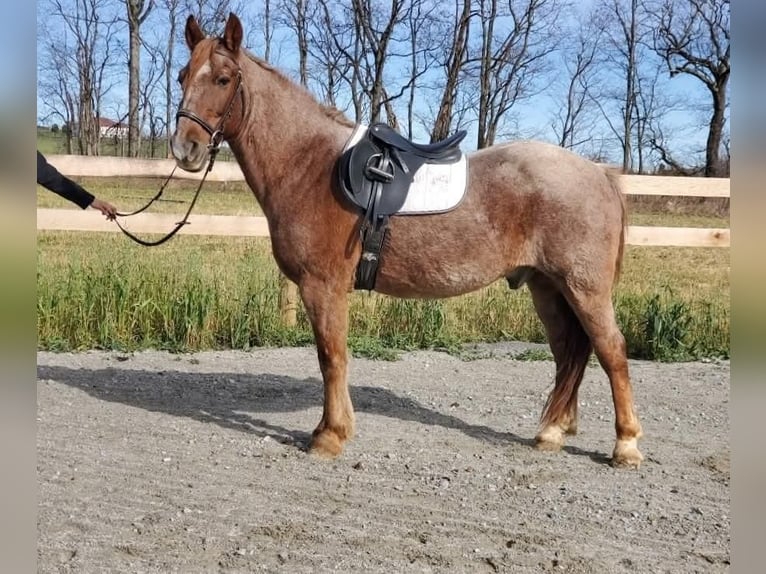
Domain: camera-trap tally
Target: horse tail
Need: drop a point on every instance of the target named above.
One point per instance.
(613, 178)
(572, 349)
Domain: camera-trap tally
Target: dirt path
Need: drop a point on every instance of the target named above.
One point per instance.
(163, 463)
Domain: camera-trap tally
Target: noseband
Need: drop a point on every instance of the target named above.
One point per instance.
(216, 133)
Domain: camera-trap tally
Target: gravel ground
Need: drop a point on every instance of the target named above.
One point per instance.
(153, 462)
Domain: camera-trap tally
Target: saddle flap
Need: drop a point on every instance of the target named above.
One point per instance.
(359, 173)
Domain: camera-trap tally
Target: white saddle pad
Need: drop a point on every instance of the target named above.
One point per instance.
(435, 188)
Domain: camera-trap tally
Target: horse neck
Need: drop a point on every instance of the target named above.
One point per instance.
(282, 128)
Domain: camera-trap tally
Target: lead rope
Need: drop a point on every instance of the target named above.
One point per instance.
(213, 149)
(152, 200)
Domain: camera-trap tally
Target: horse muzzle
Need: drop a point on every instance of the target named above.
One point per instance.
(190, 155)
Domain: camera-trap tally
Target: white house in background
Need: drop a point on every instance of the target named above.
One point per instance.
(110, 128)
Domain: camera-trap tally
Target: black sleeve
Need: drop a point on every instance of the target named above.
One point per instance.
(50, 178)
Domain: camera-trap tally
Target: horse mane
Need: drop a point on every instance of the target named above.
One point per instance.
(331, 112)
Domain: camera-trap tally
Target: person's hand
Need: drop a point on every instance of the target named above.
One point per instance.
(105, 207)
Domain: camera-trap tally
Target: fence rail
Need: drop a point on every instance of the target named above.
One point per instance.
(108, 166)
(253, 226)
(103, 166)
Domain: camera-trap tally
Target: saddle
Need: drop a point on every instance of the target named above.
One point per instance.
(375, 175)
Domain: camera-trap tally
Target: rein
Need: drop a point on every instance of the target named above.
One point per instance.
(213, 147)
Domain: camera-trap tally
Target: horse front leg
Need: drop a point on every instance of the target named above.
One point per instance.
(327, 309)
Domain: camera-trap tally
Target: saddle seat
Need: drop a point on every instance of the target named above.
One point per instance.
(446, 150)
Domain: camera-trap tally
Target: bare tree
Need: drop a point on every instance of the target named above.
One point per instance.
(329, 46)
(456, 51)
(87, 24)
(657, 141)
(171, 8)
(148, 98)
(355, 46)
(58, 85)
(515, 42)
(340, 25)
(423, 30)
(652, 106)
(375, 28)
(693, 38)
(625, 37)
(296, 15)
(137, 12)
(268, 30)
(629, 27)
(571, 123)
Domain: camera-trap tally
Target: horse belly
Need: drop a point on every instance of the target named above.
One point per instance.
(452, 265)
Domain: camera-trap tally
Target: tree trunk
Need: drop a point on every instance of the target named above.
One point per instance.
(87, 119)
(454, 65)
(171, 6)
(303, 44)
(138, 10)
(713, 147)
(488, 26)
(630, 91)
(133, 77)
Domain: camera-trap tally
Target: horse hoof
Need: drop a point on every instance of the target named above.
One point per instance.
(626, 454)
(547, 446)
(326, 444)
(550, 439)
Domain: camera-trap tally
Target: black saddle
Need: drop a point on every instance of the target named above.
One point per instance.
(375, 175)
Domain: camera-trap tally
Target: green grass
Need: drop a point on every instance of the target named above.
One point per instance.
(127, 194)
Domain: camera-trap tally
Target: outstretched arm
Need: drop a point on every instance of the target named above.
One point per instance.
(50, 178)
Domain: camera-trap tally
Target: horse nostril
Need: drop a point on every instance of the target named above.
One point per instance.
(182, 150)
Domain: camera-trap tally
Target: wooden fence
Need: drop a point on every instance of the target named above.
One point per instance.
(78, 220)
(78, 166)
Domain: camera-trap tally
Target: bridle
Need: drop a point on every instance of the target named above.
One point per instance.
(213, 147)
(216, 134)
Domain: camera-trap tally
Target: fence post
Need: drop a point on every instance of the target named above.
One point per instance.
(288, 301)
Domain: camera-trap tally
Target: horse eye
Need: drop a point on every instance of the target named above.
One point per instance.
(223, 81)
(182, 75)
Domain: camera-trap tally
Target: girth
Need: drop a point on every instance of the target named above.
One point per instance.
(375, 175)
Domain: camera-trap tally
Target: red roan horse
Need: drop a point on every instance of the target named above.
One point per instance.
(534, 214)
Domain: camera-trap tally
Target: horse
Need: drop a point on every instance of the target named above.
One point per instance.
(534, 214)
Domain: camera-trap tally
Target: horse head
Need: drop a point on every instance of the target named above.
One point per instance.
(212, 102)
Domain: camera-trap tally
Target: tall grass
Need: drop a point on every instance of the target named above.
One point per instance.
(99, 292)
(664, 327)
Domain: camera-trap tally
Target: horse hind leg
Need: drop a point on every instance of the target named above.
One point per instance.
(596, 312)
(571, 350)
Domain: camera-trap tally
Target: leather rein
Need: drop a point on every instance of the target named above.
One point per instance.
(213, 147)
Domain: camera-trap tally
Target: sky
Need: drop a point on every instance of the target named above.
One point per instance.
(531, 119)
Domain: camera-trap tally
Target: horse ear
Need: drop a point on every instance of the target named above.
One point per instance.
(232, 35)
(193, 33)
